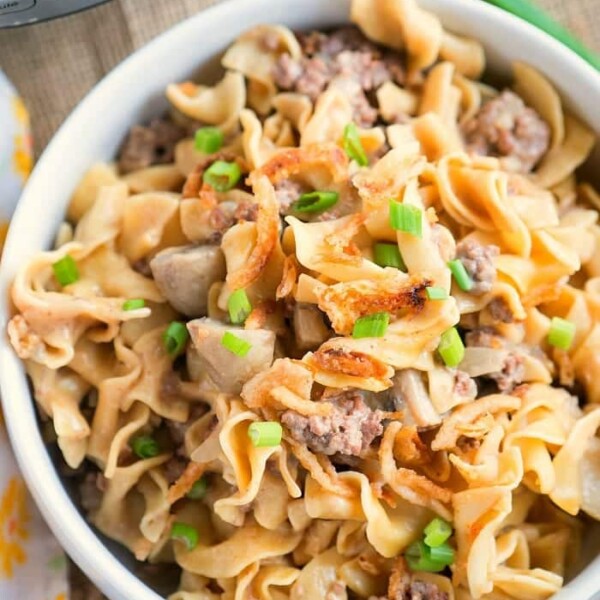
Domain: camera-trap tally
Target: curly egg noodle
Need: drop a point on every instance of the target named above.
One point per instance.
(380, 434)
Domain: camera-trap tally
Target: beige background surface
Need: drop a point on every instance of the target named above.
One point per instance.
(54, 64)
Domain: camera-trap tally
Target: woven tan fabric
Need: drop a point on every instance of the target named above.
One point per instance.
(55, 64)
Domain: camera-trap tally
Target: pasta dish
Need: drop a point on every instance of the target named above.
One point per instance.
(329, 328)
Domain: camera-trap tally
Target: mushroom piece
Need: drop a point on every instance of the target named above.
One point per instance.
(184, 275)
(228, 371)
(410, 391)
(309, 327)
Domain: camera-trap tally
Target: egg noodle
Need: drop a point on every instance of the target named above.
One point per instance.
(361, 301)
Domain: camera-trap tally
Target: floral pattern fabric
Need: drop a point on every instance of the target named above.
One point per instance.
(32, 564)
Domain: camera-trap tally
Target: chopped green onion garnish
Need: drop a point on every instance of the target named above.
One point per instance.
(561, 334)
(406, 218)
(388, 255)
(175, 337)
(374, 325)
(222, 176)
(208, 140)
(239, 307)
(419, 558)
(437, 532)
(234, 344)
(65, 270)
(436, 293)
(145, 446)
(353, 145)
(134, 304)
(462, 278)
(314, 202)
(451, 348)
(185, 533)
(265, 434)
(198, 490)
(528, 11)
(444, 553)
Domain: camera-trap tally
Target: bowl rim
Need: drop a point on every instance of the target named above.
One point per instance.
(59, 511)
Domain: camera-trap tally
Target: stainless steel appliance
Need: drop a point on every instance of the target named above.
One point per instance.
(14, 13)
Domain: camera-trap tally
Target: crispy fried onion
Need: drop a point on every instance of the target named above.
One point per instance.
(339, 246)
(193, 472)
(455, 425)
(409, 448)
(288, 280)
(293, 161)
(408, 484)
(345, 302)
(320, 469)
(267, 236)
(286, 385)
(332, 356)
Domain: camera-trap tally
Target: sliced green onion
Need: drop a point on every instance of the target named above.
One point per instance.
(182, 532)
(437, 532)
(388, 255)
(561, 334)
(444, 553)
(353, 145)
(314, 202)
(265, 434)
(239, 307)
(175, 337)
(145, 446)
(234, 344)
(134, 304)
(451, 348)
(374, 325)
(65, 270)
(198, 490)
(436, 293)
(419, 558)
(462, 278)
(208, 140)
(406, 218)
(528, 11)
(222, 176)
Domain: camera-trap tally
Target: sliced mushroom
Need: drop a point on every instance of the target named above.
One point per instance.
(309, 326)
(227, 370)
(184, 275)
(409, 390)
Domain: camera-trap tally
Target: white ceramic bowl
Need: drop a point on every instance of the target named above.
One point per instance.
(132, 93)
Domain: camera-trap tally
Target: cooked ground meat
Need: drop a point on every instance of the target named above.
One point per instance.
(416, 590)
(464, 385)
(511, 375)
(150, 145)
(500, 311)
(91, 490)
(174, 468)
(484, 337)
(344, 55)
(350, 429)
(287, 192)
(507, 128)
(479, 263)
(513, 369)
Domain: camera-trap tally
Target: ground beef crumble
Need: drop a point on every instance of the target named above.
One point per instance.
(505, 127)
(345, 58)
(150, 145)
(478, 260)
(349, 430)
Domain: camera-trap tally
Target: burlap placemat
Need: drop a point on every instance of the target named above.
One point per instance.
(55, 64)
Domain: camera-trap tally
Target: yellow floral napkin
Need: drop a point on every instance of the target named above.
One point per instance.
(32, 564)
